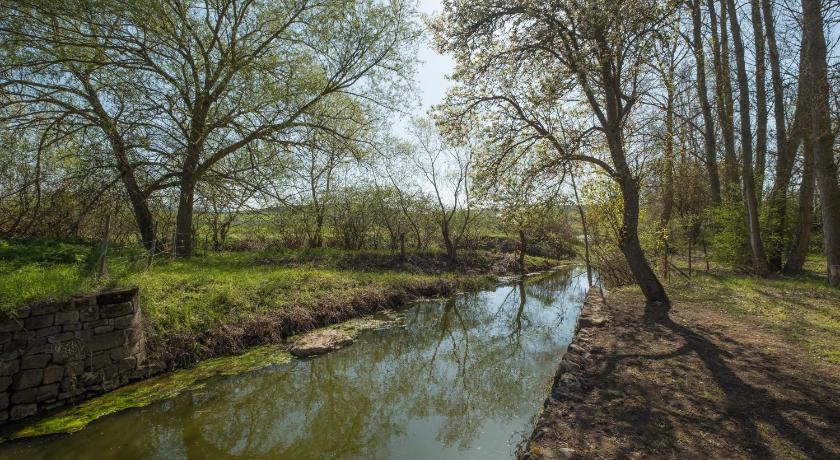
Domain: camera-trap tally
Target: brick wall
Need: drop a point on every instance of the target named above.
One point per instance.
(58, 353)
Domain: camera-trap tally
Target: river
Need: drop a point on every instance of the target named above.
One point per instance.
(459, 378)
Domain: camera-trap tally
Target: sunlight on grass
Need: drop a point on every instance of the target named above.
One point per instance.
(804, 307)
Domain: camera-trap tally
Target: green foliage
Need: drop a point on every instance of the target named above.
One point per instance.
(728, 240)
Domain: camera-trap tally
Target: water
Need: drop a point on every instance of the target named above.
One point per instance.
(461, 379)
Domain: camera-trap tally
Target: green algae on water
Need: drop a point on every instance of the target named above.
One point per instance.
(156, 389)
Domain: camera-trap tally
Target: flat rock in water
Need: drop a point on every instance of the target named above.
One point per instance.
(319, 342)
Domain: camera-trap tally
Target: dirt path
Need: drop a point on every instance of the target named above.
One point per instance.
(708, 384)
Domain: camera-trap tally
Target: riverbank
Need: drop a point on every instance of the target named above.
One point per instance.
(365, 399)
(746, 368)
(222, 303)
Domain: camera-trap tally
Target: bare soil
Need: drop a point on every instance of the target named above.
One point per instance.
(705, 384)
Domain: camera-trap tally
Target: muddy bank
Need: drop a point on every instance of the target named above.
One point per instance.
(187, 349)
(704, 384)
(183, 350)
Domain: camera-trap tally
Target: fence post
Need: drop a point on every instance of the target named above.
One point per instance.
(102, 270)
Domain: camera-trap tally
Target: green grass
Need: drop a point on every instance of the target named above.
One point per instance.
(42, 270)
(218, 288)
(804, 307)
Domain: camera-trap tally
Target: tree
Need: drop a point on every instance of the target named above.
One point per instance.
(213, 77)
(447, 170)
(709, 134)
(759, 257)
(520, 65)
(819, 121)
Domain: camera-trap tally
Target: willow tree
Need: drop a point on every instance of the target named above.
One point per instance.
(527, 66)
(214, 77)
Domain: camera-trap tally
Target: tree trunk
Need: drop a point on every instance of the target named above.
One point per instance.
(709, 136)
(668, 173)
(142, 214)
(658, 303)
(786, 156)
(759, 258)
(820, 129)
(184, 218)
(451, 256)
(802, 234)
(522, 248)
(760, 99)
(725, 104)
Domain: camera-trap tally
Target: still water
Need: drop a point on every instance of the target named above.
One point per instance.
(460, 378)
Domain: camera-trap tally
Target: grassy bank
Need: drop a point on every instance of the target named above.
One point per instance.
(801, 308)
(222, 302)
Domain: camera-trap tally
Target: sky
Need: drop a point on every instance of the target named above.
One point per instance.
(431, 75)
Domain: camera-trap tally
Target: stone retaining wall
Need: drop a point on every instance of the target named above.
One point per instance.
(52, 354)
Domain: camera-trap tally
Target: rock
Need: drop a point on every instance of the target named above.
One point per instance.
(28, 379)
(35, 361)
(593, 320)
(318, 342)
(66, 317)
(22, 411)
(53, 374)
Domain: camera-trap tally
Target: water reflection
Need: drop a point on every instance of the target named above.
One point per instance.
(461, 379)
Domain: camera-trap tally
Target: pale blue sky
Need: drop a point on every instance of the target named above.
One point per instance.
(431, 75)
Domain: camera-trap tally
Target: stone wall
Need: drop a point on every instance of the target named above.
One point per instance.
(61, 352)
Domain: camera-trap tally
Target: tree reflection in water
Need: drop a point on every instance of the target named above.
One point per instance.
(460, 379)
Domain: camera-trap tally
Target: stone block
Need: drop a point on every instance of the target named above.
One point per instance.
(68, 384)
(128, 364)
(97, 323)
(24, 396)
(34, 361)
(9, 367)
(88, 379)
(119, 353)
(59, 357)
(48, 331)
(110, 371)
(4, 401)
(47, 392)
(102, 329)
(116, 296)
(23, 312)
(9, 355)
(37, 322)
(53, 373)
(49, 405)
(4, 416)
(116, 309)
(11, 325)
(5, 383)
(5, 337)
(125, 322)
(100, 360)
(80, 303)
(71, 327)
(22, 411)
(106, 341)
(89, 313)
(27, 379)
(65, 336)
(44, 308)
(67, 317)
